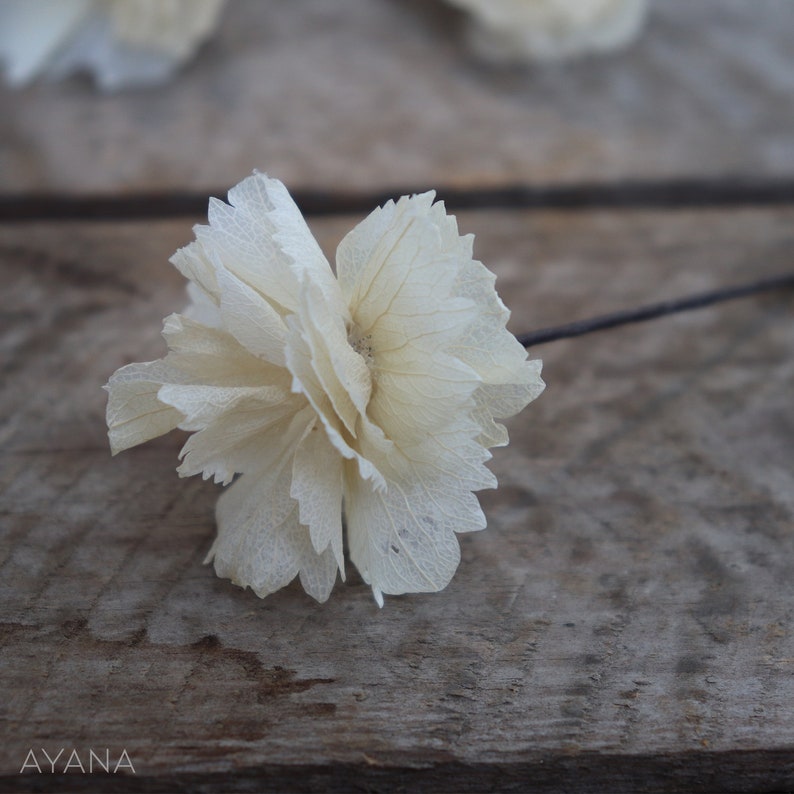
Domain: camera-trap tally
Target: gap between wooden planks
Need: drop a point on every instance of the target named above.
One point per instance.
(629, 194)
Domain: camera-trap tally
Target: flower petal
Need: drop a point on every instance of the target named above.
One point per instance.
(516, 30)
(202, 309)
(262, 238)
(398, 270)
(509, 381)
(31, 33)
(174, 28)
(305, 381)
(402, 540)
(503, 400)
(453, 455)
(261, 543)
(396, 273)
(194, 264)
(317, 487)
(201, 405)
(242, 440)
(211, 356)
(199, 357)
(134, 414)
(251, 319)
(318, 574)
(341, 372)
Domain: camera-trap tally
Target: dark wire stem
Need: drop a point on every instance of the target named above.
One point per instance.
(654, 310)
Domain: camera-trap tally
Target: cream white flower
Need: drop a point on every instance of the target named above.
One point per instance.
(515, 30)
(122, 42)
(374, 391)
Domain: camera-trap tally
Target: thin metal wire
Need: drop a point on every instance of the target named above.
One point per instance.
(654, 310)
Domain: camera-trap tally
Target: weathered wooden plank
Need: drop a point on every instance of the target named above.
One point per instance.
(364, 95)
(623, 623)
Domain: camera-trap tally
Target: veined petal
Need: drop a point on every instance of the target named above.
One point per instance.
(528, 385)
(452, 455)
(398, 270)
(211, 356)
(202, 308)
(318, 574)
(201, 405)
(367, 253)
(402, 540)
(261, 543)
(262, 238)
(341, 372)
(306, 382)
(134, 414)
(297, 243)
(471, 355)
(194, 264)
(410, 402)
(492, 434)
(317, 487)
(486, 344)
(199, 357)
(503, 400)
(245, 440)
(251, 319)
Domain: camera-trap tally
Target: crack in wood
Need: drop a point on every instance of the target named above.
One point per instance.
(625, 194)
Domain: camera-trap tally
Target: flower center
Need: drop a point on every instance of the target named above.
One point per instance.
(362, 344)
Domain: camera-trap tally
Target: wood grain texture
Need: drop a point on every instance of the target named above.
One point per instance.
(623, 624)
(367, 95)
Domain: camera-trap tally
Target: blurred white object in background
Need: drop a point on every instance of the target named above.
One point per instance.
(121, 42)
(545, 30)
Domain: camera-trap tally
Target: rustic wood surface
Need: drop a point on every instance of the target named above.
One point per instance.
(623, 624)
(357, 94)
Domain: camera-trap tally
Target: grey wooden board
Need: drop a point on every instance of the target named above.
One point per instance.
(624, 623)
(366, 94)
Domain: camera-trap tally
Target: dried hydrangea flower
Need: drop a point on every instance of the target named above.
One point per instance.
(121, 42)
(374, 391)
(520, 30)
